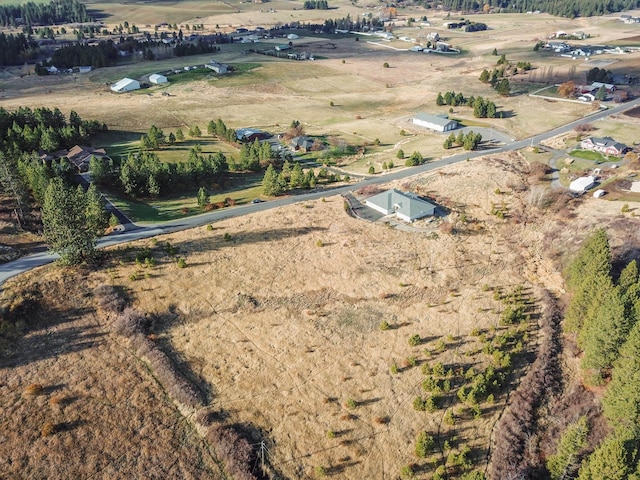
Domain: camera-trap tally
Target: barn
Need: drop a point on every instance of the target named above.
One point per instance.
(156, 78)
(439, 123)
(125, 85)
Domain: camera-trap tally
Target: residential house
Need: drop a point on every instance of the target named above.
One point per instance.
(439, 123)
(608, 86)
(302, 143)
(80, 156)
(604, 145)
(406, 206)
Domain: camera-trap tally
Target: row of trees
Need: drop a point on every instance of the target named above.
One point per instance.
(290, 178)
(144, 174)
(16, 49)
(316, 5)
(26, 130)
(469, 141)
(481, 108)
(52, 13)
(570, 9)
(603, 313)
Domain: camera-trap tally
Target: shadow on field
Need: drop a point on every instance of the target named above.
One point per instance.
(234, 239)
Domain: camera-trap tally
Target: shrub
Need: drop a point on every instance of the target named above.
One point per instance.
(182, 263)
(414, 340)
(34, 389)
(419, 404)
(625, 208)
(331, 434)
(319, 243)
(48, 429)
(424, 444)
(320, 471)
(209, 227)
(411, 361)
(394, 368)
(407, 472)
(227, 237)
(372, 170)
(351, 404)
(385, 65)
(232, 450)
(384, 325)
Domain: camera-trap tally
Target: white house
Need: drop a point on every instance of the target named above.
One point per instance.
(407, 206)
(582, 184)
(439, 123)
(125, 85)
(157, 79)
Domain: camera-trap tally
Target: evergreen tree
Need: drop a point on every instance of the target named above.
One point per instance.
(271, 182)
(439, 99)
(484, 76)
(66, 227)
(601, 94)
(179, 135)
(96, 212)
(614, 459)
(503, 87)
(565, 462)
(13, 186)
(621, 402)
(203, 197)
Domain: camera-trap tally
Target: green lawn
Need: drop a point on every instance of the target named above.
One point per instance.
(594, 156)
(243, 188)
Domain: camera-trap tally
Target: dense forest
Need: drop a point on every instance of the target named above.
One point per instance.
(561, 8)
(16, 49)
(52, 13)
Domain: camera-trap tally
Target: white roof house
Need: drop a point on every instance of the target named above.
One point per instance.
(406, 206)
(582, 184)
(156, 78)
(125, 85)
(439, 123)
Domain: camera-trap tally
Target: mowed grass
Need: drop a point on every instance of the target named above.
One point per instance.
(242, 187)
(593, 156)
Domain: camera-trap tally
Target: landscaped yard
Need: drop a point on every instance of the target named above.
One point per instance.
(594, 156)
(243, 187)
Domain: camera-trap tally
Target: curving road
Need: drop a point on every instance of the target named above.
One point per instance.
(24, 264)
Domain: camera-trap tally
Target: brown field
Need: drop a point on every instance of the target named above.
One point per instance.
(282, 332)
(278, 322)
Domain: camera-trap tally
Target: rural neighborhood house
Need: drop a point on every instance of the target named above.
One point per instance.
(407, 206)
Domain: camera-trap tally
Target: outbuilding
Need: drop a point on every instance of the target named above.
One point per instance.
(125, 85)
(582, 184)
(407, 206)
(157, 79)
(439, 123)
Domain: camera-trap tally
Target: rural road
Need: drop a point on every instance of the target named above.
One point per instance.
(24, 264)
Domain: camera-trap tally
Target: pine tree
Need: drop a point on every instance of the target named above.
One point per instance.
(621, 403)
(439, 99)
(614, 459)
(179, 135)
(66, 228)
(96, 212)
(271, 182)
(203, 197)
(565, 461)
(484, 76)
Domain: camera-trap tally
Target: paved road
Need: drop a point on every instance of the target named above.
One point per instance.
(24, 264)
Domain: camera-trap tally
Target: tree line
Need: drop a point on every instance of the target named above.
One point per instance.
(26, 130)
(145, 175)
(72, 218)
(481, 108)
(570, 9)
(603, 314)
(52, 13)
(316, 5)
(17, 49)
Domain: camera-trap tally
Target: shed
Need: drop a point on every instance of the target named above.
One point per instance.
(582, 184)
(125, 85)
(439, 123)
(156, 78)
(407, 206)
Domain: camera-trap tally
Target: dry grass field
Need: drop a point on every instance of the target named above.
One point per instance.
(279, 317)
